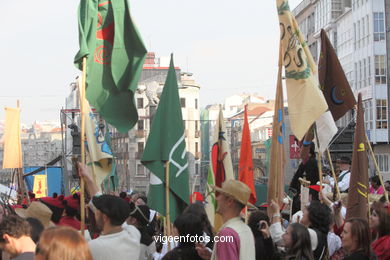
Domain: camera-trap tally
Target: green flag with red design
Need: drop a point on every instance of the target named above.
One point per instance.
(115, 55)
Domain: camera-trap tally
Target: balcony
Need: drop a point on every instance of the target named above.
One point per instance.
(197, 133)
(198, 155)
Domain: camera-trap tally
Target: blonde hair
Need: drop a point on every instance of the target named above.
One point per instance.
(63, 243)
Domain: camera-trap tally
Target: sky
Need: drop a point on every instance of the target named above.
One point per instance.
(231, 47)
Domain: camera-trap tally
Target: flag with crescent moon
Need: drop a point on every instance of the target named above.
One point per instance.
(333, 82)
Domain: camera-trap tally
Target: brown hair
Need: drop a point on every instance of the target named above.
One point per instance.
(360, 231)
(384, 219)
(63, 243)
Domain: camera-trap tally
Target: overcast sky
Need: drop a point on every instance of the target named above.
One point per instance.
(230, 46)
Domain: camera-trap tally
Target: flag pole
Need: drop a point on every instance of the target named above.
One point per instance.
(319, 159)
(167, 208)
(82, 107)
(377, 169)
(333, 174)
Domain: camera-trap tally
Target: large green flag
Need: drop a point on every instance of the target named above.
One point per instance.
(166, 142)
(115, 55)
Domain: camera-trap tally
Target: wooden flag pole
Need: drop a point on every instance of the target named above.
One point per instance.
(377, 169)
(82, 107)
(333, 174)
(319, 159)
(167, 208)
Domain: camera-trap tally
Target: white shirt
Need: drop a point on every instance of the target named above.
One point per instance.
(344, 183)
(122, 245)
(334, 243)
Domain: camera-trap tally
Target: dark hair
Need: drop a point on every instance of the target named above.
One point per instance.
(144, 198)
(301, 243)
(360, 231)
(197, 208)
(375, 179)
(123, 195)
(115, 208)
(384, 219)
(345, 160)
(254, 219)
(14, 226)
(188, 224)
(36, 228)
(319, 216)
(141, 213)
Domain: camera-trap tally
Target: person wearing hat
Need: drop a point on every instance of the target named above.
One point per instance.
(139, 217)
(115, 241)
(232, 197)
(344, 176)
(72, 206)
(37, 210)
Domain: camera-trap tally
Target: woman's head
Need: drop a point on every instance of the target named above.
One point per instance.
(380, 219)
(356, 236)
(297, 241)
(254, 220)
(188, 224)
(197, 208)
(317, 216)
(62, 243)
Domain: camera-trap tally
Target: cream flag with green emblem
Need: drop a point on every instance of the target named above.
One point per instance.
(306, 102)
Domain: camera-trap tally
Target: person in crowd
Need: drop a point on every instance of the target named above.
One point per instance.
(308, 169)
(318, 217)
(188, 227)
(36, 228)
(387, 185)
(124, 196)
(297, 243)
(157, 255)
(380, 224)
(356, 239)
(63, 243)
(259, 222)
(37, 210)
(141, 200)
(139, 217)
(231, 198)
(110, 213)
(343, 178)
(56, 206)
(71, 206)
(15, 238)
(376, 187)
(198, 209)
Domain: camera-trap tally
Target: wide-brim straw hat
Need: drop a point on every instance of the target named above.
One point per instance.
(236, 190)
(36, 210)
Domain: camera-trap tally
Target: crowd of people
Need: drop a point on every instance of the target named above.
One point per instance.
(124, 227)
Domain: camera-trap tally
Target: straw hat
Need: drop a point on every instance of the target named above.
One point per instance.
(36, 210)
(236, 190)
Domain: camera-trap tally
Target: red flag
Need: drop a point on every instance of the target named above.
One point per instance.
(245, 166)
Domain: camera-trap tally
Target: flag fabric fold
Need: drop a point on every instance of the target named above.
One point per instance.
(166, 142)
(220, 169)
(306, 103)
(12, 156)
(99, 154)
(245, 165)
(358, 184)
(115, 55)
(277, 156)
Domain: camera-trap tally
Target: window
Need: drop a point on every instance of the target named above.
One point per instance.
(196, 125)
(358, 34)
(196, 103)
(379, 27)
(140, 124)
(196, 168)
(360, 74)
(380, 69)
(383, 162)
(356, 78)
(381, 114)
(364, 73)
(140, 103)
(182, 102)
(140, 170)
(368, 117)
(369, 71)
(196, 148)
(141, 148)
(354, 35)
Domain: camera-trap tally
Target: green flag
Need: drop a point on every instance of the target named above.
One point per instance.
(166, 142)
(115, 55)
